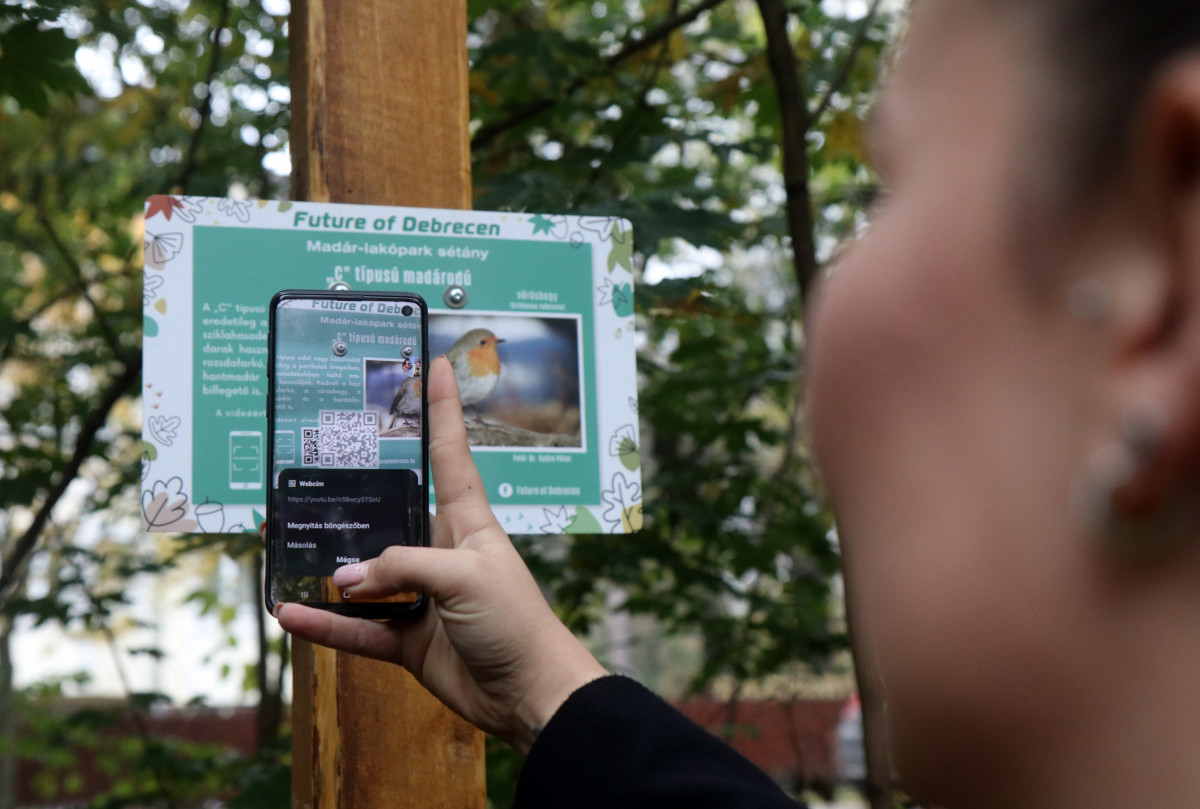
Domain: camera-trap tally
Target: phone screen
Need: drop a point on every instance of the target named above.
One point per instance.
(348, 445)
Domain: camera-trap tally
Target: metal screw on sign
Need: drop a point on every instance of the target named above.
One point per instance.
(340, 349)
(455, 297)
(407, 351)
(340, 286)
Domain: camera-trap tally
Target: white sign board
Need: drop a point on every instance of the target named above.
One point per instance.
(556, 438)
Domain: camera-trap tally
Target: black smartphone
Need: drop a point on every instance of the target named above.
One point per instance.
(348, 444)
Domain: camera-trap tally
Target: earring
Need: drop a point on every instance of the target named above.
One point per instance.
(1116, 465)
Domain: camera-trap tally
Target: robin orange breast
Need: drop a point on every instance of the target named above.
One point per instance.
(476, 365)
(407, 401)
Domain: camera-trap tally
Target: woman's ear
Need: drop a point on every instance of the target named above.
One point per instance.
(1158, 314)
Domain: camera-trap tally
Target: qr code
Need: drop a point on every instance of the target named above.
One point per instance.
(345, 438)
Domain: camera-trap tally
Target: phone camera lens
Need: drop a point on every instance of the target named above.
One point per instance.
(406, 311)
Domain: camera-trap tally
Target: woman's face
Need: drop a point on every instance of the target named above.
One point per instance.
(948, 399)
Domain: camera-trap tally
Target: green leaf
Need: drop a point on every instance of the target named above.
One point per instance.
(35, 62)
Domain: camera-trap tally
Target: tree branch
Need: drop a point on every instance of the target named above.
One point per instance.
(630, 119)
(490, 132)
(205, 111)
(120, 385)
(794, 119)
(839, 81)
(68, 258)
(83, 449)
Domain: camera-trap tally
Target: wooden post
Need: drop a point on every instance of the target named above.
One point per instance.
(379, 116)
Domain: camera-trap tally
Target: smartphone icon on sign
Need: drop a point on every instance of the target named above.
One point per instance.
(348, 447)
(245, 460)
(285, 446)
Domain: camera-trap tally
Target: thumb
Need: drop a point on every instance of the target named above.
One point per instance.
(442, 573)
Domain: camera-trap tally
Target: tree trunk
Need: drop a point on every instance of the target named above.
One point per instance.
(379, 116)
(795, 121)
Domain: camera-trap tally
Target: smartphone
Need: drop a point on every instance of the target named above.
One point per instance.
(347, 442)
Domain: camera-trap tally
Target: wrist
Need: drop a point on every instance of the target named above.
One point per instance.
(543, 700)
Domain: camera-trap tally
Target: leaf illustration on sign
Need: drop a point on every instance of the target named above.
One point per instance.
(185, 209)
(606, 290)
(624, 445)
(161, 204)
(150, 285)
(622, 300)
(556, 226)
(585, 522)
(163, 429)
(619, 296)
(161, 248)
(621, 254)
(623, 503)
(164, 504)
(557, 521)
(239, 209)
(602, 226)
(188, 209)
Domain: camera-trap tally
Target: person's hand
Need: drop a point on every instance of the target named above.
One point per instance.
(489, 646)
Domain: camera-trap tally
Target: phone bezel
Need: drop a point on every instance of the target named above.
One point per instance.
(377, 610)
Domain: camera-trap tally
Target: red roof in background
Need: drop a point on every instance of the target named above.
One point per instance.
(793, 741)
(230, 728)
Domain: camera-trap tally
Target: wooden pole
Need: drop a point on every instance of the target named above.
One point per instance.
(379, 116)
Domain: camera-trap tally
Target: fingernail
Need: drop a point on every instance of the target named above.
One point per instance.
(349, 575)
(278, 609)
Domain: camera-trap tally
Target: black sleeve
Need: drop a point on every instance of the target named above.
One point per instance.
(615, 744)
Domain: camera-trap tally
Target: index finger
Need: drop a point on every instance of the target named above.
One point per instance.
(456, 481)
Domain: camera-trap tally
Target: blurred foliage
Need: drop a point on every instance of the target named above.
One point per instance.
(614, 107)
(682, 137)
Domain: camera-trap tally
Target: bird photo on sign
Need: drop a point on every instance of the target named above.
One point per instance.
(518, 376)
(393, 389)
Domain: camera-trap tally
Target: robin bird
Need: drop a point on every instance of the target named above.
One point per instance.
(407, 401)
(476, 365)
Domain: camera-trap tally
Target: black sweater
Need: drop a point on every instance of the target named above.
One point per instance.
(614, 744)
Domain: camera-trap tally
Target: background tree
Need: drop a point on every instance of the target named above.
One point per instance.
(728, 131)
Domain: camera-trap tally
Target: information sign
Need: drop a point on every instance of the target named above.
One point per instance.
(551, 411)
